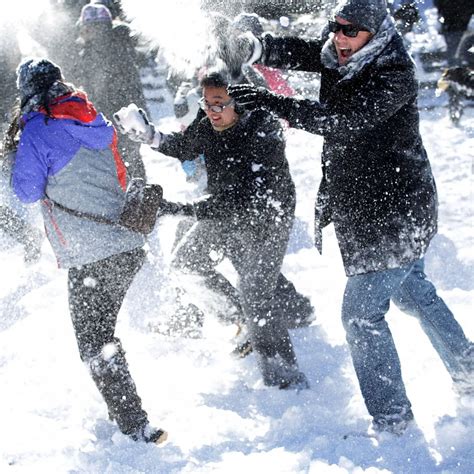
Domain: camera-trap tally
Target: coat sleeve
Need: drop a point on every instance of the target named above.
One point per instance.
(371, 104)
(30, 169)
(185, 146)
(292, 53)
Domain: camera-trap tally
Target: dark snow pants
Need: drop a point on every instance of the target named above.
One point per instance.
(257, 260)
(293, 307)
(96, 293)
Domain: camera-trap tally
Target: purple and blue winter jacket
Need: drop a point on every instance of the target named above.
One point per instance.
(72, 159)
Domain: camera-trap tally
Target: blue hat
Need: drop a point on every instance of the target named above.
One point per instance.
(368, 14)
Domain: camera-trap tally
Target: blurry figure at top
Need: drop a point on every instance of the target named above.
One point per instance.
(454, 16)
(56, 32)
(273, 78)
(107, 69)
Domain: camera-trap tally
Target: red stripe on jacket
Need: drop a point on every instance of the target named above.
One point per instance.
(86, 112)
(119, 164)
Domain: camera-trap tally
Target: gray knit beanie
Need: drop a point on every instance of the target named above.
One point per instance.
(368, 14)
(36, 76)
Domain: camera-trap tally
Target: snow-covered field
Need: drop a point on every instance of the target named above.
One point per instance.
(219, 416)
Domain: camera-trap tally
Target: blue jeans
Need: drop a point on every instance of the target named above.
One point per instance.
(366, 301)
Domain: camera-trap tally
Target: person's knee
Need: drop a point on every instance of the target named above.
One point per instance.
(100, 357)
(415, 294)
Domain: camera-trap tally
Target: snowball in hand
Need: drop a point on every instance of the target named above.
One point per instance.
(129, 119)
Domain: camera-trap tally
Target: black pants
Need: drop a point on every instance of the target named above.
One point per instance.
(96, 293)
(290, 306)
(257, 261)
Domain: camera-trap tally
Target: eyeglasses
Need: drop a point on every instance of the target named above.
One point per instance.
(218, 109)
(350, 31)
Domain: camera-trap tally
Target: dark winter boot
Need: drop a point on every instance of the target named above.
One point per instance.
(278, 373)
(148, 434)
(395, 424)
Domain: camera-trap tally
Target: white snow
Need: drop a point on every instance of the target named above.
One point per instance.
(220, 417)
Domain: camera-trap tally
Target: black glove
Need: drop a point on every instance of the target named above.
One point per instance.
(175, 208)
(250, 97)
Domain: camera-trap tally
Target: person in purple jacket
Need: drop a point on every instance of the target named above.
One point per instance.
(67, 158)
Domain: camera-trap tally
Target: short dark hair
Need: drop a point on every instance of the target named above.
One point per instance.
(215, 79)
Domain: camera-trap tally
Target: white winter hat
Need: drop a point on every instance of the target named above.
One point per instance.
(94, 13)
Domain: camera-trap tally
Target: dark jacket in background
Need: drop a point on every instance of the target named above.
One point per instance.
(456, 14)
(377, 186)
(107, 69)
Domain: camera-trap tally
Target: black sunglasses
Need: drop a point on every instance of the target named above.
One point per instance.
(350, 31)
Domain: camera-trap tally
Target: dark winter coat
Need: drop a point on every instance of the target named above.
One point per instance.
(455, 13)
(107, 69)
(248, 177)
(377, 186)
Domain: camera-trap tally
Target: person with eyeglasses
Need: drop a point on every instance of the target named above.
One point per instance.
(377, 189)
(247, 215)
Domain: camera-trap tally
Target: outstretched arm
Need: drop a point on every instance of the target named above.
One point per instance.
(374, 102)
(134, 122)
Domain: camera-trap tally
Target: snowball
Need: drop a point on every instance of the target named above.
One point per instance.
(130, 119)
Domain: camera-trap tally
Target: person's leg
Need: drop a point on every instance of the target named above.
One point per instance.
(96, 293)
(258, 263)
(295, 308)
(193, 256)
(417, 297)
(375, 358)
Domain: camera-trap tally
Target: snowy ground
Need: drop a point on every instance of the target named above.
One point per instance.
(219, 415)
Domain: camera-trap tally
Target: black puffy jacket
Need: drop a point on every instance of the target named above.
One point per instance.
(377, 186)
(248, 177)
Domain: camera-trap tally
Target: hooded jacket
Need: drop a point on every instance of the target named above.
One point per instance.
(377, 186)
(71, 158)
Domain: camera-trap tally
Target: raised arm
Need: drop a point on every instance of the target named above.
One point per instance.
(291, 53)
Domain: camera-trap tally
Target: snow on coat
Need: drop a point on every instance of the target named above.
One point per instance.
(377, 186)
(72, 159)
(248, 176)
